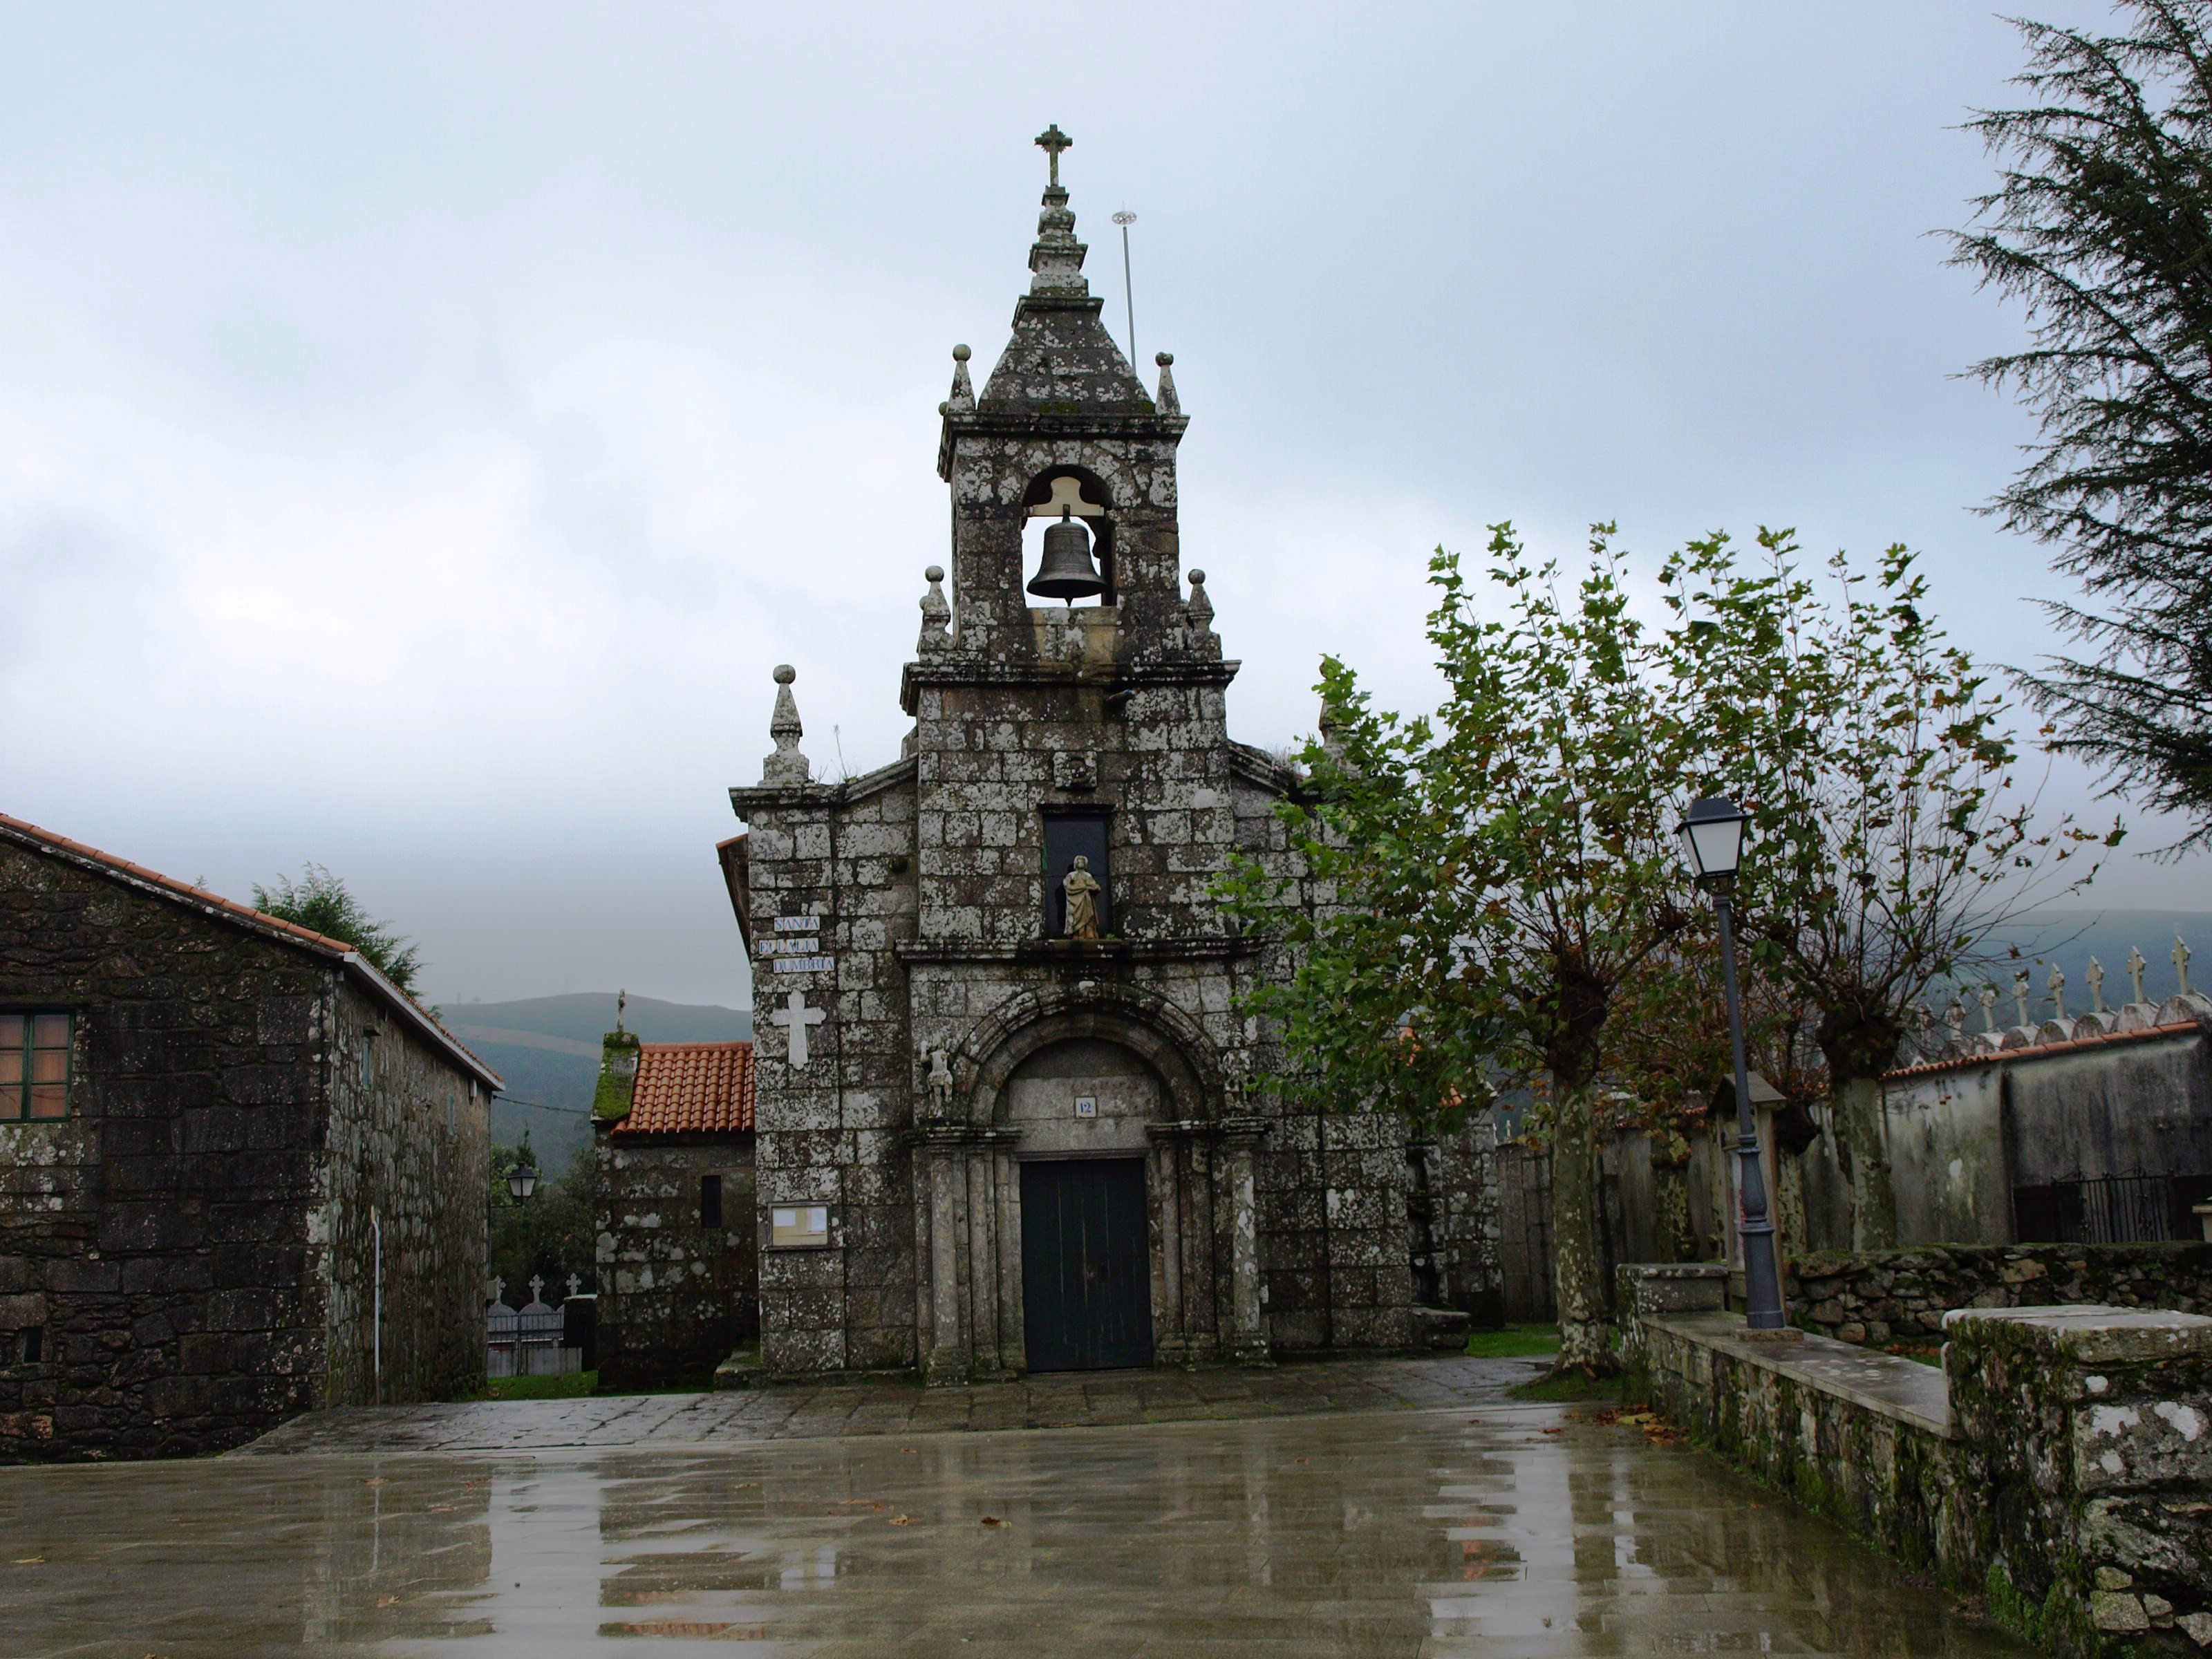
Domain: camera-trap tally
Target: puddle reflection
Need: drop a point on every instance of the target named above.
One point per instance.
(1401, 1535)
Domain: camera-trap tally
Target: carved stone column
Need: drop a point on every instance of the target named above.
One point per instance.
(939, 1150)
(1246, 1336)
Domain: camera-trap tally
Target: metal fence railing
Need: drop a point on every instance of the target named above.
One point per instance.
(2119, 1209)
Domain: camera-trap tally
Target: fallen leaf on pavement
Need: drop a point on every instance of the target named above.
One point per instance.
(386, 1601)
(904, 1520)
(994, 1520)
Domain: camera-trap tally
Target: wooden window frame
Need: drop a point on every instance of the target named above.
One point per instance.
(15, 1102)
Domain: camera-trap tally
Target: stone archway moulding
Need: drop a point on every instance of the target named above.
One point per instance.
(1163, 1036)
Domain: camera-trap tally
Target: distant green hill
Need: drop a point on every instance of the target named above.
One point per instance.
(547, 1048)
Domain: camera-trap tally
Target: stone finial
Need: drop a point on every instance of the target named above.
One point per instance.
(498, 1287)
(1954, 1018)
(2096, 978)
(537, 1287)
(575, 1284)
(2020, 996)
(1056, 257)
(621, 1007)
(2180, 954)
(1198, 611)
(2136, 964)
(787, 765)
(1167, 403)
(964, 390)
(936, 613)
(1988, 998)
(2058, 983)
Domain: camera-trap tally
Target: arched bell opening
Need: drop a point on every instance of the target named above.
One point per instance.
(1067, 539)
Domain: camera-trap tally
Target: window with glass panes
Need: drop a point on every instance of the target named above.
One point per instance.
(34, 1065)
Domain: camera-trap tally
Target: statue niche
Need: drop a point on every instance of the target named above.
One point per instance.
(1077, 890)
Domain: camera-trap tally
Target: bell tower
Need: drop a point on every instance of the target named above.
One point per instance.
(1045, 731)
(1064, 430)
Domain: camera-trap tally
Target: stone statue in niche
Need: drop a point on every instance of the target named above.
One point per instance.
(940, 1085)
(1082, 890)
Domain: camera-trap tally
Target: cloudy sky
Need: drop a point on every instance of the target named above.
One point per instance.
(421, 430)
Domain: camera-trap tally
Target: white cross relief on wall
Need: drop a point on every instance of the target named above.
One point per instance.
(797, 1015)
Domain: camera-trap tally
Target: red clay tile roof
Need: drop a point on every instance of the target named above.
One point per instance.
(691, 1087)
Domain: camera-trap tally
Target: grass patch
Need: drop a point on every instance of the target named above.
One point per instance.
(575, 1385)
(1514, 1342)
(1572, 1386)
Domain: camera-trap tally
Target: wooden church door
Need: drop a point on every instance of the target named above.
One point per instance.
(1086, 1264)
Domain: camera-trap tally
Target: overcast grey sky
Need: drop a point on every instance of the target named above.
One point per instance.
(422, 429)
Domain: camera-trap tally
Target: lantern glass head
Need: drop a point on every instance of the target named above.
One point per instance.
(521, 1181)
(1712, 838)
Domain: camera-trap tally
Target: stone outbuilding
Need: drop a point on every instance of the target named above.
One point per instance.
(677, 1270)
(242, 1174)
(1005, 1115)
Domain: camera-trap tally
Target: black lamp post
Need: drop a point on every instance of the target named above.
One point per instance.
(522, 1179)
(1712, 838)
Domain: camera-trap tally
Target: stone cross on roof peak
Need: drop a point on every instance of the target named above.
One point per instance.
(1052, 141)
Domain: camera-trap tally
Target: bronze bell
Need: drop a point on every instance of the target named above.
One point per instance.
(1066, 571)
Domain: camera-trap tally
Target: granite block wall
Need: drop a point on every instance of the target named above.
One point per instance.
(179, 1253)
(676, 1297)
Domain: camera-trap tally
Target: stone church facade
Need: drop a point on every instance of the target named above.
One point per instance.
(989, 1143)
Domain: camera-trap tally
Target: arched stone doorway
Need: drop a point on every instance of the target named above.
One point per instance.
(1156, 1117)
(1081, 1109)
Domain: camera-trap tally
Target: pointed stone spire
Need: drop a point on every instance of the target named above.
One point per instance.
(786, 766)
(1061, 360)
(1167, 403)
(936, 614)
(964, 390)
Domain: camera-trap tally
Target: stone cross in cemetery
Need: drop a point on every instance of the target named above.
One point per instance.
(2020, 994)
(2181, 964)
(2136, 965)
(1989, 1001)
(575, 1284)
(796, 1015)
(2096, 978)
(2057, 993)
(498, 1288)
(536, 1288)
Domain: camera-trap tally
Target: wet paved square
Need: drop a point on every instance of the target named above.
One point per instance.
(1478, 1526)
